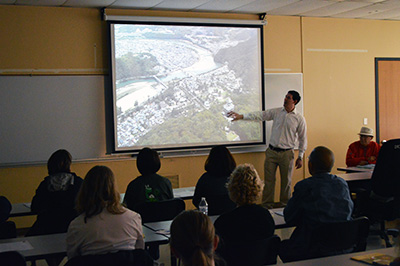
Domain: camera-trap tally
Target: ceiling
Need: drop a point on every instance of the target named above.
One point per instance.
(362, 9)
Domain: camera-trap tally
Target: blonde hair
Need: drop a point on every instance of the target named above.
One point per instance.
(192, 238)
(98, 191)
(244, 185)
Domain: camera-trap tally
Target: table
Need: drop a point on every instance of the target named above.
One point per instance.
(354, 169)
(342, 259)
(163, 227)
(184, 192)
(40, 247)
(24, 209)
(360, 176)
(21, 209)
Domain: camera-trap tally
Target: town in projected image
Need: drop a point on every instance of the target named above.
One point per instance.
(173, 85)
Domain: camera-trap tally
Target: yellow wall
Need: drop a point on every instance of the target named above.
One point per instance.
(338, 86)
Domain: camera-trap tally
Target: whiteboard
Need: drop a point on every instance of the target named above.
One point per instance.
(41, 114)
(276, 87)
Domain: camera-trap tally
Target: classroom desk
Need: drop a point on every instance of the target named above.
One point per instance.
(354, 169)
(342, 259)
(24, 209)
(360, 176)
(163, 226)
(184, 192)
(40, 247)
(21, 209)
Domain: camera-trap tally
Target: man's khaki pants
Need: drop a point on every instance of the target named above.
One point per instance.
(285, 161)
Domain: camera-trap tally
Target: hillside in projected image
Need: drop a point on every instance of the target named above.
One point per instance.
(174, 84)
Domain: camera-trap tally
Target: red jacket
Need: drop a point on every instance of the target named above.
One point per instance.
(357, 153)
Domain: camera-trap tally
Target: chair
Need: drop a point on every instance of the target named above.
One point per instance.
(219, 204)
(160, 211)
(12, 258)
(252, 253)
(383, 201)
(339, 238)
(8, 230)
(137, 257)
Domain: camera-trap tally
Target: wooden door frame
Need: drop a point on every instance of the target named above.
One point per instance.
(377, 59)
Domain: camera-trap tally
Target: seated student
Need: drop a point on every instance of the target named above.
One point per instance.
(363, 152)
(323, 197)
(54, 201)
(103, 224)
(219, 166)
(193, 239)
(149, 186)
(248, 221)
(5, 209)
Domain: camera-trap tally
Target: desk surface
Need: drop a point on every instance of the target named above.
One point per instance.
(356, 176)
(342, 259)
(39, 247)
(184, 192)
(355, 169)
(24, 209)
(21, 209)
(164, 226)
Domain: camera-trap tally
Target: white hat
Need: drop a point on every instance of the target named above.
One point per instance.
(366, 131)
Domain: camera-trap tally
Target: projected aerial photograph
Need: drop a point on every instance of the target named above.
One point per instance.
(174, 84)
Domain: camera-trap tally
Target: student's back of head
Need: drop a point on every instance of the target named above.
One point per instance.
(148, 162)
(59, 162)
(98, 191)
(193, 238)
(220, 162)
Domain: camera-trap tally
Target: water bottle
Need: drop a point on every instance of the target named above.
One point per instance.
(203, 206)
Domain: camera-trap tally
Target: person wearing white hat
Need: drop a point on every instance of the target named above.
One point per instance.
(363, 152)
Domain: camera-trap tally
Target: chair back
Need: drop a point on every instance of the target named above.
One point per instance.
(385, 180)
(160, 211)
(252, 253)
(340, 237)
(137, 257)
(8, 230)
(219, 204)
(12, 258)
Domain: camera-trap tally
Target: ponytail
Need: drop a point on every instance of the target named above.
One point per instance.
(200, 258)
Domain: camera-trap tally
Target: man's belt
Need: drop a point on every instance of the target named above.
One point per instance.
(278, 149)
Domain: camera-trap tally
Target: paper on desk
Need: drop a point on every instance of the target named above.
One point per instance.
(163, 232)
(21, 245)
(367, 166)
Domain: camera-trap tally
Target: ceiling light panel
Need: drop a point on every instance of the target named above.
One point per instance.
(222, 5)
(334, 9)
(300, 7)
(263, 6)
(88, 3)
(180, 5)
(40, 2)
(389, 14)
(135, 4)
(364, 11)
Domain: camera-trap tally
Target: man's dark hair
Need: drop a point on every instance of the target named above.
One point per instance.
(59, 162)
(148, 162)
(295, 95)
(322, 159)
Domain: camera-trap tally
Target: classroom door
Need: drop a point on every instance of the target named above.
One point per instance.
(387, 85)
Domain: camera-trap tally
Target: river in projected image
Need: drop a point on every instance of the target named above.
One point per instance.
(174, 84)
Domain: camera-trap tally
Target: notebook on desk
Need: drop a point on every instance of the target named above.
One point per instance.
(374, 259)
